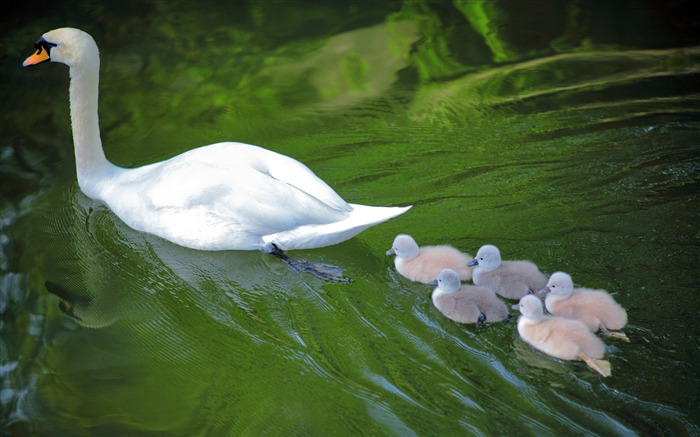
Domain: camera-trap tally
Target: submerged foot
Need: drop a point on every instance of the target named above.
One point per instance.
(480, 321)
(323, 271)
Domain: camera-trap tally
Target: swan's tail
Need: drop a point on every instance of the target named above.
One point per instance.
(313, 236)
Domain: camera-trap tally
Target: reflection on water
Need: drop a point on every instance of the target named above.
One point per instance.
(585, 162)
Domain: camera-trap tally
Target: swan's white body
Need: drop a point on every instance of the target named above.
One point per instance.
(225, 196)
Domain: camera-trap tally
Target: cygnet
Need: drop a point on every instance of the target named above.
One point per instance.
(466, 303)
(424, 264)
(595, 308)
(510, 279)
(559, 337)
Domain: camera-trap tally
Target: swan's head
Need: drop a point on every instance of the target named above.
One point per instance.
(448, 280)
(488, 257)
(530, 307)
(69, 46)
(404, 246)
(560, 284)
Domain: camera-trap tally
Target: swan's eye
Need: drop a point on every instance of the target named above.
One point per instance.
(42, 44)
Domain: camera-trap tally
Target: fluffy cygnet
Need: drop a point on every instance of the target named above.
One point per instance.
(595, 308)
(559, 337)
(424, 264)
(510, 279)
(466, 303)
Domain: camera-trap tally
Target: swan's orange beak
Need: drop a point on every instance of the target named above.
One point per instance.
(41, 55)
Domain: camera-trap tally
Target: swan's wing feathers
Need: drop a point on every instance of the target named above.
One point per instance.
(298, 175)
(238, 195)
(240, 156)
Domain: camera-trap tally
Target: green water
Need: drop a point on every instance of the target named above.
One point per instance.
(568, 138)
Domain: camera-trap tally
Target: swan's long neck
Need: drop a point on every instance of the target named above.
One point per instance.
(91, 163)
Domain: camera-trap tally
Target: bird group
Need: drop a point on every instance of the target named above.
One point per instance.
(567, 330)
(235, 196)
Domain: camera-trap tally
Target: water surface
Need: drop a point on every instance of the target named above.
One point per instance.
(578, 154)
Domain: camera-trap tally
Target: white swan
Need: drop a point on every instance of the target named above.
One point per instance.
(224, 196)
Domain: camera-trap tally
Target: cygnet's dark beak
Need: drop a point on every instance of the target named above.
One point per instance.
(473, 263)
(391, 251)
(543, 292)
(433, 283)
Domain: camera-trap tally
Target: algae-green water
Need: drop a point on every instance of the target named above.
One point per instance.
(565, 133)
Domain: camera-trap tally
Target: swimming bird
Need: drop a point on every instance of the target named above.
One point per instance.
(224, 196)
(559, 337)
(424, 264)
(595, 308)
(510, 279)
(466, 303)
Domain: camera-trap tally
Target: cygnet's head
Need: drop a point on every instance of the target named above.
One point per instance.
(488, 257)
(448, 280)
(404, 246)
(559, 283)
(531, 307)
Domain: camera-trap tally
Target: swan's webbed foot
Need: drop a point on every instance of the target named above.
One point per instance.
(323, 271)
